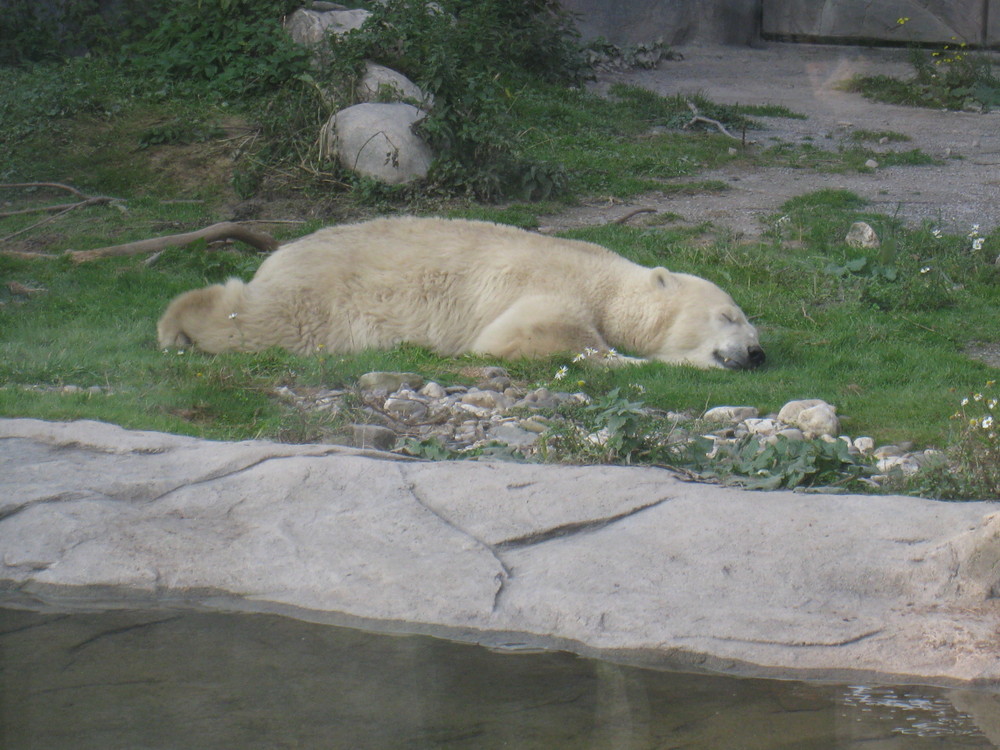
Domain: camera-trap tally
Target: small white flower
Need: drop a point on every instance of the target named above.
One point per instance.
(965, 402)
(610, 354)
(936, 233)
(784, 220)
(562, 372)
(977, 397)
(991, 404)
(180, 351)
(977, 244)
(925, 269)
(579, 357)
(987, 423)
(232, 315)
(974, 232)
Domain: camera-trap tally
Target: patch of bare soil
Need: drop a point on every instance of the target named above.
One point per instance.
(962, 190)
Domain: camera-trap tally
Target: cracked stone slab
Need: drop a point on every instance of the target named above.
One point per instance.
(627, 563)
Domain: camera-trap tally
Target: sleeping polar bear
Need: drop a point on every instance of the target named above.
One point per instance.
(458, 286)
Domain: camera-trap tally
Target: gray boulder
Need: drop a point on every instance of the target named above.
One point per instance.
(382, 84)
(311, 27)
(378, 140)
(626, 563)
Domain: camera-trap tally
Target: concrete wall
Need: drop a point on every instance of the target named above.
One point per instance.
(673, 21)
(742, 21)
(939, 21)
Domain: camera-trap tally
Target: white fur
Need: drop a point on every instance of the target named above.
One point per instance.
(462, 286)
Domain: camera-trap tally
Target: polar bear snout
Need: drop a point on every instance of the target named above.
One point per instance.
(750, 359)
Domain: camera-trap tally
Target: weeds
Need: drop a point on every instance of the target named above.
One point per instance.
(952, 77)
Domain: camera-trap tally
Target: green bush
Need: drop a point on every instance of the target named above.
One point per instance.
(35, 32)
(950, 78)
(474, 58)
(235, 47)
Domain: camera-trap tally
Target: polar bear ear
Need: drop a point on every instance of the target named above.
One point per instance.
(662, 278)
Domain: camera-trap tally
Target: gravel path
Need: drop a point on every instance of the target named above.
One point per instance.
(964, 189)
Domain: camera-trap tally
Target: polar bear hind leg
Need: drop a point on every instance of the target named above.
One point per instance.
(203, 318)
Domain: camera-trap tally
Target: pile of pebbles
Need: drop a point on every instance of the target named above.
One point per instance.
(498, 412)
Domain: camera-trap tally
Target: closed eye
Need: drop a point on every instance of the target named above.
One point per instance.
(728, 318)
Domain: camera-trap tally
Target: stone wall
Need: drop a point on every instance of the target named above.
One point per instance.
(738, 22)
(674, 21)
(972, 21)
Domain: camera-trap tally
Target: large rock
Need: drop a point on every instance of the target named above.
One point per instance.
(629, 563)
(378, 140)
(311, 27)
(382, 84)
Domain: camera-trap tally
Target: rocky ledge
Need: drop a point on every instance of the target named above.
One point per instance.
(631, 564)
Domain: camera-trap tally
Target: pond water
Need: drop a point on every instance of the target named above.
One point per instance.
(193, 680)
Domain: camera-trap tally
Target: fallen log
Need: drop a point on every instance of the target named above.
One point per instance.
(225, 230)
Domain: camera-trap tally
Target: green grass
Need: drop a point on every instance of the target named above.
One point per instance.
(950, 78)
(887, 351)
(895, 371)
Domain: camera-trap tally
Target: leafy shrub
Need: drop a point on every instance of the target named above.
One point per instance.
(784, 463)
(38, 95)
(952, 78)
(179, 131)
(234, 46)
(473, 57)
(33, 31)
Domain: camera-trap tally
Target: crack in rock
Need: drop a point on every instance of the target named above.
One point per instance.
(790, 644)
(576, 527)
(62, 497)
(502, 577)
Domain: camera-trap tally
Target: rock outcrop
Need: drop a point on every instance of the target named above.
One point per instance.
(628, 563)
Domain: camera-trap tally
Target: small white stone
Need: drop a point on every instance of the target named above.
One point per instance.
(761, 426)
(862, 235)
(730, 414)
(865, 445)
(433, 390)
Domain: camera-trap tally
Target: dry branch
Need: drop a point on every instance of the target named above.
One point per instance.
(708, 121)
(630, 214)
(62, 207)
(57, 185)
(225, 230)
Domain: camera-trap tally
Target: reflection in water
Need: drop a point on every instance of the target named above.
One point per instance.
(169, 679)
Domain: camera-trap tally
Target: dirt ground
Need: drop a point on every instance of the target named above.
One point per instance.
(960, 191)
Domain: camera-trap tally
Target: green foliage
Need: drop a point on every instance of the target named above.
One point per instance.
(234, 47)
(44, 95)
(472, 57)
(950, 78)
(622, 422)
(785, 463)
(179, 131)
(614, 429)
(35, 31)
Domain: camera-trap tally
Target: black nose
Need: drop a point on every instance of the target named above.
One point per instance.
(755, 357)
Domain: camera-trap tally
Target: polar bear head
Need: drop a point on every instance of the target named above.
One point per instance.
(706, 328)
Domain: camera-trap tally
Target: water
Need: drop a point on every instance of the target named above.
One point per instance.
(192, 680)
